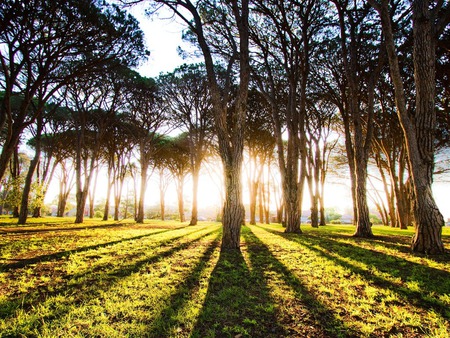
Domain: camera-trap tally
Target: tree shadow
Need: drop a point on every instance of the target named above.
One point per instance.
(400, 243)
(316, 319)
(20, 263)
(169, 319)
(237, 303)
(99, 278)
(240, 302)
(430, 281)
(50, 227)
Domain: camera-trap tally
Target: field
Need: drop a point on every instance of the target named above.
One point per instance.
(168, 279)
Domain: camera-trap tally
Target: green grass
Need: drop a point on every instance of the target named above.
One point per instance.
(168, 279)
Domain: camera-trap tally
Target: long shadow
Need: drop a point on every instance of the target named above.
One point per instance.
(93, 277)
(167, 319)
(431, 280)
(62, 254)
(21, 231)
(398, 243)
(238, 302)
(318, 321)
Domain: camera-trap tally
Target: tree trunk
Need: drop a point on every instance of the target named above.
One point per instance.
(267, 201)
(280, 212)
(23, 214)
(91, 194)
(419, 134)
(62, 201)
(108, 195)
(253, 193)
(429, 220)
(323, 172)
(261, 201)
(180, 186)
(81, 197)
(292, 206)
(118, 188)
(143, 188)
(194, 212)
(363, 225)
(233, 210)
(15, 212)
(351, 163)
(162, 201)
(29, 178)
(37, 212)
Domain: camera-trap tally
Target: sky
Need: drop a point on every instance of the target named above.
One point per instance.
(163, 36)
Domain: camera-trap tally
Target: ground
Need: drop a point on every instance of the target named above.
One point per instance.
(168, 279)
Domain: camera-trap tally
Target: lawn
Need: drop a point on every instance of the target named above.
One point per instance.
(168, 279)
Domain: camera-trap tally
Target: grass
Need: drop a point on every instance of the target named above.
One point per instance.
(167, 279)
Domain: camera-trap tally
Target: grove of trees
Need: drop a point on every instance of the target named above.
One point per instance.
(287, 91)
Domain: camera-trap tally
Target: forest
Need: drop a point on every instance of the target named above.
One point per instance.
(281, 82)
(287, 94)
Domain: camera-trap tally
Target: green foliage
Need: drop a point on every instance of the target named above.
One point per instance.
(332, 215)
(14, 189)
(374, 219)
(37, 196)
(163, 279)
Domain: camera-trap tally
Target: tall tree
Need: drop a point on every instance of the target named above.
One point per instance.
(220, 29)
(179, 165)
(284, 33)
(44, 45)
(260, 144)
(89, 122)
(322, 116)
(419, 130)
(187, 93)
(144, 118)
(361, 52)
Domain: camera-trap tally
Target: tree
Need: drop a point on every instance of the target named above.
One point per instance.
(179, 165)
(13, 186)
(322, 116)
(37, 130)
(419, 131)
(89, 120)
(44, 45)
(144, 117)
(162, 157)
(260, 144)
(220, 29)
(61, 142)
(187, 94)
(359, 48)
(285, 34)
(116, 142)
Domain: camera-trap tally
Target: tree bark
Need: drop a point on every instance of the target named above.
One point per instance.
(233, 210)
(194, 212)
(253, 186)
(418, 133)
(110, 182)
(64, 190)
(143, 188)
(23, 214)
(429, 220)
(180, 187)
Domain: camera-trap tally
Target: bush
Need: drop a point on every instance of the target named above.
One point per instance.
(98, 214)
